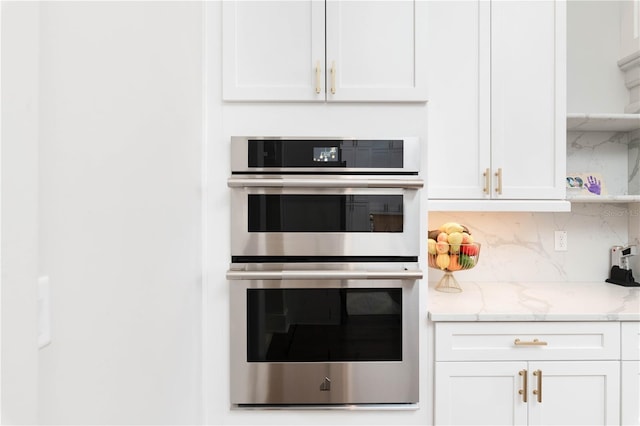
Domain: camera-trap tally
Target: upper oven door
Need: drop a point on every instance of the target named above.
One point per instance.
(316, 216)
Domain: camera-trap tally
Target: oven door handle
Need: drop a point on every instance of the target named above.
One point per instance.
(324, 183)
(324, 275)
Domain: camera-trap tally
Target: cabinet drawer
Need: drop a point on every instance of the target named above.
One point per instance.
(630, 336)
(463, 341)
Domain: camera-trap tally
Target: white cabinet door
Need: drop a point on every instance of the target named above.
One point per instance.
(630, 394)
(375, 50)
(271, 50)
(630, 373)
(528, 130)
(575, 393)
(479, 393)
(459, 135)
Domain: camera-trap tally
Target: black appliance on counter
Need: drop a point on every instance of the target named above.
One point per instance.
(621, 273)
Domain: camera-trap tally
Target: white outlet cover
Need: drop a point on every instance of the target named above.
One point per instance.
(561, 240)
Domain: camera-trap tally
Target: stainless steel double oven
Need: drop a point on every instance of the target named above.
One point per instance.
(325, 237)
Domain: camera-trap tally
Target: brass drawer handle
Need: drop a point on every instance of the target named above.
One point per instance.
(523, 391)
(318, 74)
(499, 176)
(333, 77)
(534, 342)
(487, 181)
(538, 392)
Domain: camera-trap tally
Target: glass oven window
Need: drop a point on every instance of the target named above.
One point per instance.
(322, 325)
(325, 153)
(325, 213)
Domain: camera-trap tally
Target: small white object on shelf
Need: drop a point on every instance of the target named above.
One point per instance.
(602, 122)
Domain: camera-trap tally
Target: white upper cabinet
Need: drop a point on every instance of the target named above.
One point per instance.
(528, 103)
(459, 99)
(271, 50)
(276, 51)
(497, 126)
(375, 50)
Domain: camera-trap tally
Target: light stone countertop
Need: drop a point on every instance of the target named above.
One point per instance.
(535, 301)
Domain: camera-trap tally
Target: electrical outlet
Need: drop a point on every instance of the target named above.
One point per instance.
(561, 240)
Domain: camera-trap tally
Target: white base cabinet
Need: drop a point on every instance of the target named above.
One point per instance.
(630, 373)
(527, 374)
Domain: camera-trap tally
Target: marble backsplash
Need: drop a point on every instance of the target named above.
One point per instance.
(634, 161)
(610, 155)
(520, 246)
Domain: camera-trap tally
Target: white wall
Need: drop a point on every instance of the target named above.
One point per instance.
(595, 84)
(19, 226)
(120, 200)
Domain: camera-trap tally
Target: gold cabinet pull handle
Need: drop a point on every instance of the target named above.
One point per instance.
(534, 342)
(523, 391)
(499, 176)
(538, 391)
(487, 181)
(333, 77)
(318, 74)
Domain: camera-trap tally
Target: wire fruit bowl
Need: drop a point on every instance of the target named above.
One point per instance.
(451, 258)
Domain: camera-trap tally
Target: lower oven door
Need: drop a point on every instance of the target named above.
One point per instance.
(315, 337)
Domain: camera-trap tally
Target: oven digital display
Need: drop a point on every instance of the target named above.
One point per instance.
(325, 154)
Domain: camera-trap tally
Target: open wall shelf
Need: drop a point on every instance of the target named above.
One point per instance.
(600, 143)
(579, 122)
